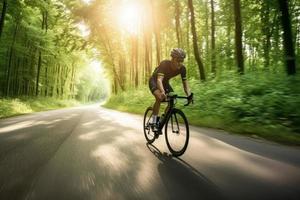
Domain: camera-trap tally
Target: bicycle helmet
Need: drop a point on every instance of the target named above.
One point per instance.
(178, 53)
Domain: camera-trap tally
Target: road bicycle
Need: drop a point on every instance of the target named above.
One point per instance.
(175, 123)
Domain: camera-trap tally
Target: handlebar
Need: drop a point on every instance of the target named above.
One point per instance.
(175, 96)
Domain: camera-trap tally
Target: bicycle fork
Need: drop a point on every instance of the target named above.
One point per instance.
(172, 123)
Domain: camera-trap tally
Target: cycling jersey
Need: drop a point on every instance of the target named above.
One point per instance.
(166, 70)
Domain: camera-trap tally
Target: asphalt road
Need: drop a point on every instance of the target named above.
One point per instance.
(95, 153)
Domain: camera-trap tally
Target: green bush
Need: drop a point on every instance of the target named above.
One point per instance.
(13, 106)
(10, 107)
(255, 103)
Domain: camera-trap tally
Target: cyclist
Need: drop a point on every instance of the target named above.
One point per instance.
(159, 81)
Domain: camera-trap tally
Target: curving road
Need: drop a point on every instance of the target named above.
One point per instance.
(95, 153)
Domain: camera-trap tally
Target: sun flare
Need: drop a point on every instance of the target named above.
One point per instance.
(87, 1)
(96, 66)
(129, 18)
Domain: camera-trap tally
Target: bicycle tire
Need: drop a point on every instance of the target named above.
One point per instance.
(149, 135)
(170, 133)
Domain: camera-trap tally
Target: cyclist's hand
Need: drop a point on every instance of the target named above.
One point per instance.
(163, 96)
(190, 99)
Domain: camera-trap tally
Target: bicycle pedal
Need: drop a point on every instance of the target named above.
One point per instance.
(156, 135)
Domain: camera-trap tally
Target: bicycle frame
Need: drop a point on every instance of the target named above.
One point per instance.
(177, 126)
(171, 105)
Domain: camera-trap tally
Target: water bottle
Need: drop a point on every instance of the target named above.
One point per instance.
(162, 118)
(158, 120)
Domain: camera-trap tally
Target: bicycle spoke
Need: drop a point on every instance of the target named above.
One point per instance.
(176, 123)
(177, 133)
(150, 137)
(172, 123)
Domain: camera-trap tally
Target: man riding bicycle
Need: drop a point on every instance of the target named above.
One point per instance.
(159, 81)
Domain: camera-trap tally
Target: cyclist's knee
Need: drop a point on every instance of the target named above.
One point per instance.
(157, 96)
(158, 99)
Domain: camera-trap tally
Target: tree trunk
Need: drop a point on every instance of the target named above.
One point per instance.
(38, 74)
(39, 61)
(72, 81)
(57, 85)
(188, 40)
(213, 43)
(228, 50)
(287, 37)
(10, 62)
(46, 81)
(238, 36)
(17, 78)
(265, 18)
(46, 69)
(177, 24)
(108, 50)
(207, 42)
(195, 41)
(3, 13)
(157, 35)
(136, 56)
(147, 55)
(63, 78)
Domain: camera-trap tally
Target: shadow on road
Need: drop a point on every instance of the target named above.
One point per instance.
(183, 181)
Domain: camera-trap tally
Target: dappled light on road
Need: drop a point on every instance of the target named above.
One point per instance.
(97, 153)
(112, 158)
(216, 152)
(123, 119)
(17, 126)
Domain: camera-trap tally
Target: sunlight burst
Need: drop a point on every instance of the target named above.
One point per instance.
(87, 1)
(96, 66)
(84, 29)
(129, 18)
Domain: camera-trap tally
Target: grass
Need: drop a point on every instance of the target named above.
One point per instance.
(17, 106)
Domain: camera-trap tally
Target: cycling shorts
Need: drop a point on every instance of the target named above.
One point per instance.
(153, 85)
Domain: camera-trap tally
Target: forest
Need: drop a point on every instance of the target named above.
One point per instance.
(242, 59)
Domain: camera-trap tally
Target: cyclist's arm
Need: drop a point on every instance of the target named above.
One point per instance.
(186, 88)
(160, 85)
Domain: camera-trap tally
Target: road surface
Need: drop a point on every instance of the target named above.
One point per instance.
(91, 152)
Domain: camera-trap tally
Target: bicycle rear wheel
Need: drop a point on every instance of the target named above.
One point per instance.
(177, 133)
(149, 134)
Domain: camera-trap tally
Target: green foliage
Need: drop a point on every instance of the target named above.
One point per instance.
(91, 85)
(10, 107)
(257, 103)
(42, 51)
(258, 98)
(134, 100)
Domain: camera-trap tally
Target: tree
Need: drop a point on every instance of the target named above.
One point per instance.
(238, 36)
(195, 41)
(157, 34)
(287, 37)
(177, 24)
(3, 13)
(213, 42)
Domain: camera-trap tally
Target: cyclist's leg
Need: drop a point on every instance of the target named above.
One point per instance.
(156, 93)
(169, 89)
(156, 105)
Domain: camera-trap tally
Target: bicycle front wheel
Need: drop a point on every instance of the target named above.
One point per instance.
(149, 134)
(177, 133)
